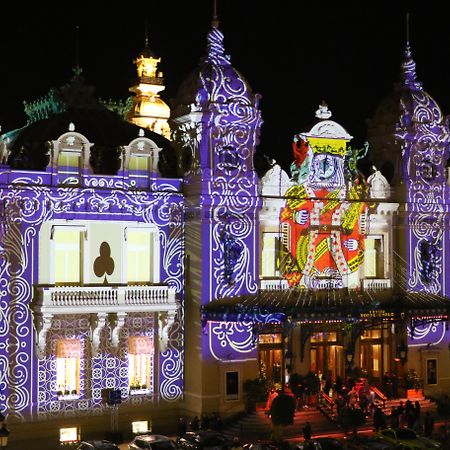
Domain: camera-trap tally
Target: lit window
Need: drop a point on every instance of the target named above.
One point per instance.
(140, 355)
(374, 257)
(69, 167)
(371, 334)
(139, 169)
(68, 267)
(68, 355)
(270, 251)
(139, 163)
(140, 256)
(330, 336)
(270, 338)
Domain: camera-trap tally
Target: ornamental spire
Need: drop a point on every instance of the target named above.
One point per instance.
(215, 19)
(216, 49)
(408, 66)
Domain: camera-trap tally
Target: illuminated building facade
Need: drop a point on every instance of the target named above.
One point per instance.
(173, 273)
(91, 241)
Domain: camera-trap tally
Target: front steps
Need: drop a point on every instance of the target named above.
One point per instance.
(257, 425)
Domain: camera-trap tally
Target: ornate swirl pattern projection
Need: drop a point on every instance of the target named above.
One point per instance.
(235, 340)
(48, 405)
(426, 232)
(428, 334)
(424, 139)
(24, 208)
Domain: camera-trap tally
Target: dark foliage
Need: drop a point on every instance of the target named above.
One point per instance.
(105, 160)
(283, 409)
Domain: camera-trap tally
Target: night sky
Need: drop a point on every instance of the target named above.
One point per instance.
(346, 53)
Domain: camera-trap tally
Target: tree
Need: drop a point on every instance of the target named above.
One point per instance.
(255, 391)
(312, 385)
(282, 413)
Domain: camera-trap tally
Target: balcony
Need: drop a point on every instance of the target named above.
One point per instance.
(376, 283)
(103, 299)
(273, 284)
(103, 304)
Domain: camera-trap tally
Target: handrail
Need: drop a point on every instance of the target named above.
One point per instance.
(323, 397)
(379, 394)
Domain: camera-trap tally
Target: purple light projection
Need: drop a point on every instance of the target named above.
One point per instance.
(429, 334)
(27, 384)
(424, 140)
(220, 138)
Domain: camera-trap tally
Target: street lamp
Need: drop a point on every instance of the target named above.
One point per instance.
(4, 434)
(349, 358)
(402, 352)
(288, 358)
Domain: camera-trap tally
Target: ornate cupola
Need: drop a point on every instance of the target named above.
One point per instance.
(421, 131)
(408, 136)
(216, 118)
(148, 109)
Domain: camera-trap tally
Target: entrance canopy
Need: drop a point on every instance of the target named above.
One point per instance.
(306, 305)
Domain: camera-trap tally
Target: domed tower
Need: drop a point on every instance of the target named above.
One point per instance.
(148, 110)
(410, 143)
(216, 123)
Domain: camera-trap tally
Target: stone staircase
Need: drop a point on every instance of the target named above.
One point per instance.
(425, 405)
(257, 425)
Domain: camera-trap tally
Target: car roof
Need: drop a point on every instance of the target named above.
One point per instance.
(153, 437)
(202, 434)
(100, 443)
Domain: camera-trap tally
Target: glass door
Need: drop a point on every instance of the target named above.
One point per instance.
(271, 364)
(371, 359)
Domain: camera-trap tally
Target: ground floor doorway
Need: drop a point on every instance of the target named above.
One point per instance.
(271, 363)
(327, 354)
(371, 353)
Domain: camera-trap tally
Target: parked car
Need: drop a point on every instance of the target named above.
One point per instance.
(321, 444)
(360, 442)
(152, 442)
(203, 440)
(97, 445)
(407, 439)
(267, 445)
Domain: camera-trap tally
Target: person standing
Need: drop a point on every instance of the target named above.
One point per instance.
(182, 426)
(428, 424)
(307, 431)
(195, 424)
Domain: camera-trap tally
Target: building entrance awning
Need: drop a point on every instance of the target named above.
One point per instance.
(306, 305)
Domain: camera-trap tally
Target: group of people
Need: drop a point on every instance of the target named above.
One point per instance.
(205, 422)
(404, 415)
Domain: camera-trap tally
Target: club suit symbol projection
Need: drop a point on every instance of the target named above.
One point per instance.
(104, 264)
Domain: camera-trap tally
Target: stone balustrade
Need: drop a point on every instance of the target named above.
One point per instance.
(89, 299)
